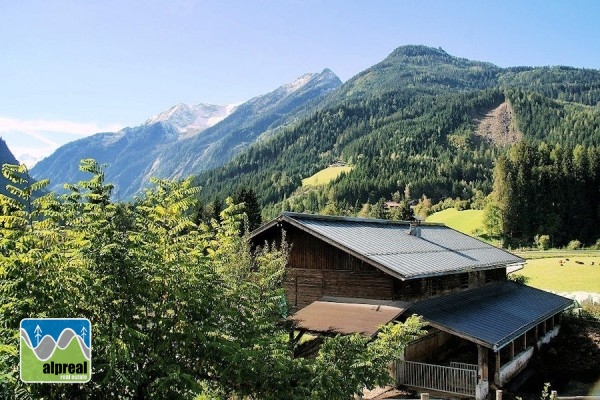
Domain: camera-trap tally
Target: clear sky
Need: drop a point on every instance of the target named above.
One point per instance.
(73, 68)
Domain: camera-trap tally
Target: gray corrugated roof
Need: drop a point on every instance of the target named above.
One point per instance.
(439, 250)
(492, 315)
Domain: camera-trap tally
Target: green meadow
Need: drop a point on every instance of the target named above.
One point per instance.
(325, 176)
(579, 273)
(466, 221)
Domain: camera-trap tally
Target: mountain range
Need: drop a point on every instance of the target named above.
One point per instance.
(420, 121)
(186, 139)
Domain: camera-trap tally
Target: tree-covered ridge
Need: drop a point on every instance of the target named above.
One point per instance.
(423, 68)
(402, 138)
(559, 83)
(179, 309)
(544, 119)
(411, 123)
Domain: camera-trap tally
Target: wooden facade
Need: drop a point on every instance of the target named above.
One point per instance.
(317, 268)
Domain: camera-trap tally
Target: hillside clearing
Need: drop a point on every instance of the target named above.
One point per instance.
(325, 175)
(466, 221)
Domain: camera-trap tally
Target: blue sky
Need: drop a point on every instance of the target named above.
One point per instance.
(73, 68)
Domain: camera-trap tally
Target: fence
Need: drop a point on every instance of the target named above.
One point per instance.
(461, 381)
(470, 367)
(553, 395)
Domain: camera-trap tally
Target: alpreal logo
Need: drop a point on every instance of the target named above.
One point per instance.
(56, 350)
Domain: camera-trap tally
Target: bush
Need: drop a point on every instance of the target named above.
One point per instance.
(522, 279)
(574, 245)
(542, 241)
(591, 310)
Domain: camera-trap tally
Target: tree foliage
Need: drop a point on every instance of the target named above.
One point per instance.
(178, 309)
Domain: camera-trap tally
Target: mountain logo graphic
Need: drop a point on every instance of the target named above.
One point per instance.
(56, 350)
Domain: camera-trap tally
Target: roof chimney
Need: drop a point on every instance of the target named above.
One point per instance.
(415, 227)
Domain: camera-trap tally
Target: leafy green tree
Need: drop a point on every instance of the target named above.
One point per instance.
(378, 210)
(177, 309)
(403, 212)
(423, 207)
(542, 241)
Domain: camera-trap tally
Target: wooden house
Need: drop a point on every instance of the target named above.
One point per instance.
(348, 275)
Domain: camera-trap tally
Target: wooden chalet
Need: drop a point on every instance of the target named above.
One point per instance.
(347, 275)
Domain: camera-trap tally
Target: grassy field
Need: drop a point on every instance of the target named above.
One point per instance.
(466, 221)
(324, 176)
(576, 274)
(543, 268)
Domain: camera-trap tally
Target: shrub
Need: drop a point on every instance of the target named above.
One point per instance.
(574, 245)
(542, 241)
(522, 279)
(591, 310)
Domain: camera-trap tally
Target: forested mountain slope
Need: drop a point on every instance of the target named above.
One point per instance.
(412, 121)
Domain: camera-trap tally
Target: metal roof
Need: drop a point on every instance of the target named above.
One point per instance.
(492, 315)
(346, 318)
(435, 250)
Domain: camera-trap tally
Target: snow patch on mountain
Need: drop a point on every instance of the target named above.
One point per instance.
(28, 159)
(298, 83)
(192, 119)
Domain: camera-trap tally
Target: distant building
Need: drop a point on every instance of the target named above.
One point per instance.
(391, 204)
(347, 275)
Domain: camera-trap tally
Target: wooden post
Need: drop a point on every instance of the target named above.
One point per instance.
(498, 365)
(512, 350)
(482, 362)
(544, 328)
(498, 394)
(424, 396)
